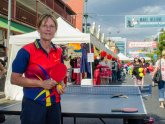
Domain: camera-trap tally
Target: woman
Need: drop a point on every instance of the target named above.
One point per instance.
(136, 74)
(33, 61)
(161, 84)
(143, 61)
(114, 70)
(102, 62)
(97, 70)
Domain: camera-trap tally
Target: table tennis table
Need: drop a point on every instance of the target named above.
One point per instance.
(96, 102)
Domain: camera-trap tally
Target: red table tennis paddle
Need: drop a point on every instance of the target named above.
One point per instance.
(125, 110)
(58, 72)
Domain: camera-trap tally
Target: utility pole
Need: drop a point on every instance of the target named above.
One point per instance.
(85, 23)
(109, 34)
(85, 16)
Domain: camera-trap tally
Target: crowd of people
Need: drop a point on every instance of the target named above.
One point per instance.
(113, 71)
(106, 71)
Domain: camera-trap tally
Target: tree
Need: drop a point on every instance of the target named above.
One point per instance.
(161, 44)
(160, 47)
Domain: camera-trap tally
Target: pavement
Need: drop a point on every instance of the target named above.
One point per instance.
(151, 103)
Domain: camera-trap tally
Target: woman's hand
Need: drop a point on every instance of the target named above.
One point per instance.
(48, 84)
(60, 88)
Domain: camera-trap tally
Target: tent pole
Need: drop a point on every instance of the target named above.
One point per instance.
(91, 62)
(8, 29)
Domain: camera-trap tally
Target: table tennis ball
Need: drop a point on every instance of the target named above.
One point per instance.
(59, 86)
(141, 74)
(140, 70)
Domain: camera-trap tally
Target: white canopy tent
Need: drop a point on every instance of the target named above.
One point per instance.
(123, 57)
(65, 34)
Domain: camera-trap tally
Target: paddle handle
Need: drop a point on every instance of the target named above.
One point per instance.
(116, 110)
(125, 110)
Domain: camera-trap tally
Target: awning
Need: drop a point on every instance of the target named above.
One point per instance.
(15, 26)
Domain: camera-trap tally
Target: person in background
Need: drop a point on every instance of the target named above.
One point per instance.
(119, 70)
(125, 69)
(103, 71)
(144, 66)
(156, 63)
(114, 70)
(161, 84)
(136, 65)
(97, 70)
(107, 71)
(150, 69)
(34, 60)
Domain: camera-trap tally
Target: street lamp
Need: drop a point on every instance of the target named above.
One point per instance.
(109, 34)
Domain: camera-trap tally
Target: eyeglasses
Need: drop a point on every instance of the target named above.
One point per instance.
(48, 27)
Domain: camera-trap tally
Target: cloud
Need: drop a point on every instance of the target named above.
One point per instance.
(154, 10)
(149, 10)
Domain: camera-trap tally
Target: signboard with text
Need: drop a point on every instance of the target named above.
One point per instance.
(90, 57)
(152, 44)
(144, 21)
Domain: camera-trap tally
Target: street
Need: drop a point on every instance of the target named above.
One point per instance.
(151, 103)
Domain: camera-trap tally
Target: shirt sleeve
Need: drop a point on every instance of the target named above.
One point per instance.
(21, 61)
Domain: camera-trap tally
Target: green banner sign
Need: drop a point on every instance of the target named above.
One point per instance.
(144, 21)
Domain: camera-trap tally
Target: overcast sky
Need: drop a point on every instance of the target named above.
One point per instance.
(110, 14)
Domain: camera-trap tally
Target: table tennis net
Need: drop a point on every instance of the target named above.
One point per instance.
(103, 90)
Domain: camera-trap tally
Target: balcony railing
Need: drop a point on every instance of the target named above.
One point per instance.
(60, 9)
(21, 15)
(25, 16)
(4, 7)
(28, 17)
